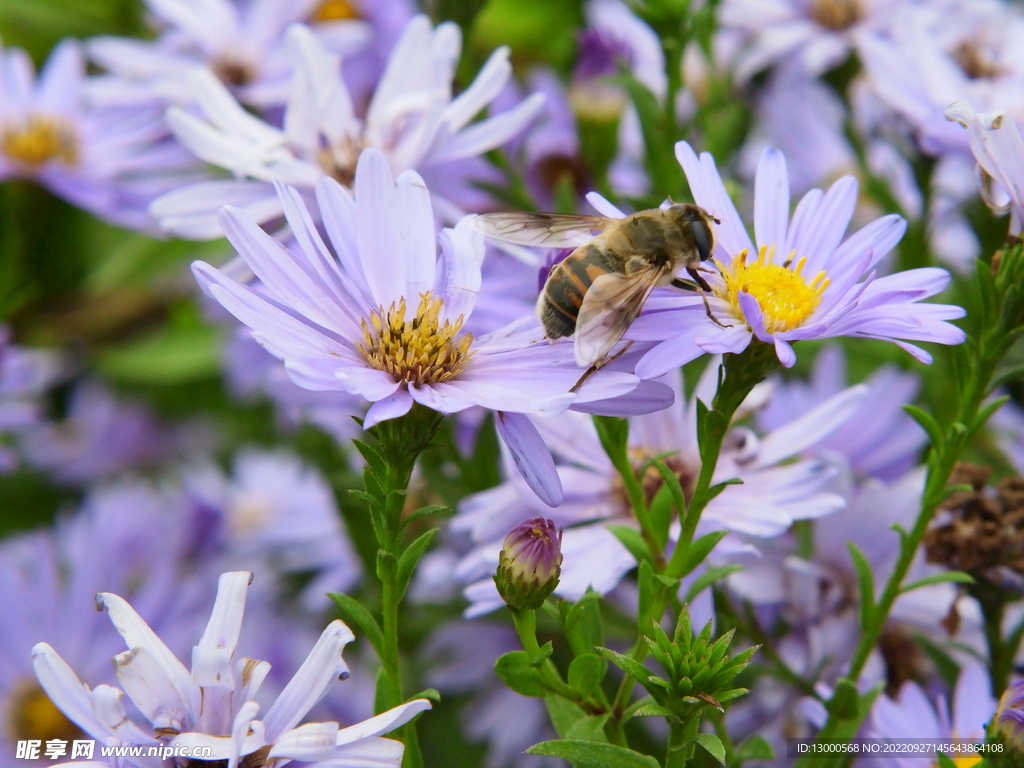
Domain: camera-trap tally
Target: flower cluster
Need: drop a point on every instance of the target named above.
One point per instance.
(290, 299)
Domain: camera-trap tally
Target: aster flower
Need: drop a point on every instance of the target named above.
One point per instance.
(1009, 720)
(110, 162)
(880, 439)
(771, 497)
(241, 43)
(384, 317)
(412, 118)
(911, 715)
(805, 281)
(999, 151)
(24, 375)
(100, 436)
(131, 537)
(214, 706)
(278, 514)
(815, 34)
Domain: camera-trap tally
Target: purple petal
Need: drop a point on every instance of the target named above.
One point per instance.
(771, 199)
(390, 407)
(531, 456)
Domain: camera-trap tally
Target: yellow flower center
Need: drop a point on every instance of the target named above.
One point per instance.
(335, 10)
(784, 295)
(39, 139)
(836, 15)
(417, 351)
(31, 715)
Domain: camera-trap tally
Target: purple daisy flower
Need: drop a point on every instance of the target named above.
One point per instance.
(805, 281)
(110, 162)
(384, 317)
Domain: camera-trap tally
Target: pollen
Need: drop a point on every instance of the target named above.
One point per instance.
(39, 139)
(837, 15)
(420, 350)
(335, 10)
(785, 296)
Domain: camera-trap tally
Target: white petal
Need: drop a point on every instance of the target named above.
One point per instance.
(384, 722)
(211, 658)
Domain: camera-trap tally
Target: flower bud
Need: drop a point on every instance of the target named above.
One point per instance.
(529, 564)
(1010, 714)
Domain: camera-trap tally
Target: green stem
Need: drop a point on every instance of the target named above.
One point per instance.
(526, 626)
(388, 471)
(741, 373)
(680, 736)
(992, 600)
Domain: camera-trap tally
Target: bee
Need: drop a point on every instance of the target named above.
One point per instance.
(598, 290)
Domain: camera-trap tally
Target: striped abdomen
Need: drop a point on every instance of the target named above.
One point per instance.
(560, 301)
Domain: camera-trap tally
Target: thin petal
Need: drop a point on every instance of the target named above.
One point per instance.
(532, 457)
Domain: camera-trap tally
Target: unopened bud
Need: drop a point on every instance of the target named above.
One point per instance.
(1010, 715)
(529, 564)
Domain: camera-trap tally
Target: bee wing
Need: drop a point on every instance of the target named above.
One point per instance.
(554, 230)
(609, 306)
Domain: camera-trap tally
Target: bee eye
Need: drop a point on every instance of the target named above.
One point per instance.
(703, 237)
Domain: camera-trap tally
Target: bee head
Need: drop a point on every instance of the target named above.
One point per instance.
(695, 224)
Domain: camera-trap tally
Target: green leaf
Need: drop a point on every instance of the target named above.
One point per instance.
(594, 754)
(709, 577)
(422, 512)
(944, 760)
(586, 673)
(631, 667)
(632, 540)
(712, 744)
(564, 714)
(928, 424)
(699, 550)
(866, 582)
(411, 556)
(589, 728)
(519, 674)
(845, 701)
(674, 487)
(661, 515)
(755, 748)
(356, 613)
(956, 577)
(653, 710)
(427, 693)
(168, 355)
(583, 626)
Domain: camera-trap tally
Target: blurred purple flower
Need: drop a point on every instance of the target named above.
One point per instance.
(880, 439)
(412, 118)
(772, 496)
(110, 162)
(242, 43)
(274, 515)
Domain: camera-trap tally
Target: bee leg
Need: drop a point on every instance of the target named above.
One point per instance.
(698, 279)
(598, 366)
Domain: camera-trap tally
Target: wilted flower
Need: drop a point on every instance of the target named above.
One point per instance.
(214, 706)
(999, 150)
(529, 564)
(802, 281)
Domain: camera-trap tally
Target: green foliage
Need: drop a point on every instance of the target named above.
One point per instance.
(589, 754)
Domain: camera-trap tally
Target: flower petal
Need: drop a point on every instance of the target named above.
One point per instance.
(531, 456)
